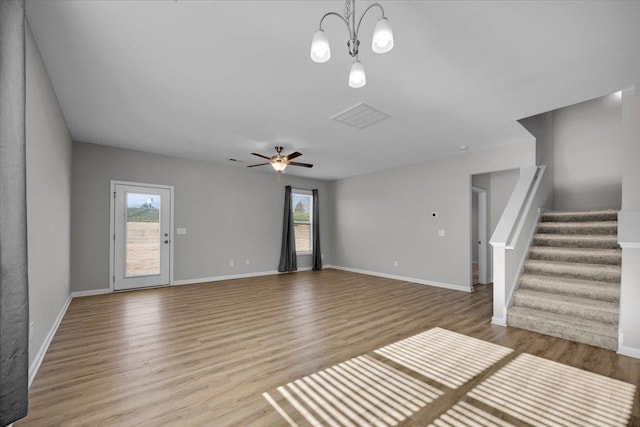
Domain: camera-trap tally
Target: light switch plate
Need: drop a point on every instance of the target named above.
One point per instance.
(181, 231)
(441, 233)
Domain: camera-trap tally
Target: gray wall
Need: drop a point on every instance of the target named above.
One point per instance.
(542, 128)
(386, 216)
(230, 213)
(48, 200)
(587, 140)
(502, 185)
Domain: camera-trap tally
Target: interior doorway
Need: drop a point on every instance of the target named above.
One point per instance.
(141, 235)
(479, 241)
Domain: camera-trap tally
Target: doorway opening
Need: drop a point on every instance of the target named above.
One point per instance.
(479, 247)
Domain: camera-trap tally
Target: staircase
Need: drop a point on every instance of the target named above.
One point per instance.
(570, 287)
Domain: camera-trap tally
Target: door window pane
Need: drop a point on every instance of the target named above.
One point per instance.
(143, 234)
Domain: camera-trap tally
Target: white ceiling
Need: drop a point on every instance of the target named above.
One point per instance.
(220, 79)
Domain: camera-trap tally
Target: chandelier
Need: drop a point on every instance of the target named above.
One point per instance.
(382, 40)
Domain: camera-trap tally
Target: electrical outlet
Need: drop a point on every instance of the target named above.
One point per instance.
(246, 262)
(231, 263)
(395, 263)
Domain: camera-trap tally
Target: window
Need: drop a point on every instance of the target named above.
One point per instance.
(302, 205)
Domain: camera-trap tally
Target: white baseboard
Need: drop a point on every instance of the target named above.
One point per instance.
(627, 351)
(90, 293)
(500, 321)
(404, 278)
(35, 365)
(231, 277)
(191, 281)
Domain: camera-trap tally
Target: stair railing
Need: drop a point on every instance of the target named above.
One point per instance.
(513, 235)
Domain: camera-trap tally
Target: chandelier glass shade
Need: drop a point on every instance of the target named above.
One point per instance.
(382, 41)
(382, 37)
(320, 48)
(357, 77)
(279, 164)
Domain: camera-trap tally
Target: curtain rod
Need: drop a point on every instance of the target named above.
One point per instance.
(303, 189)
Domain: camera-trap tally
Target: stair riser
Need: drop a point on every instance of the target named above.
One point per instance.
(541, 240)
(604, 276)
(560, 307)
(595, 294)
(612, 216)
(565, 332)
(613, 259)
(559, 228)
(570, 288)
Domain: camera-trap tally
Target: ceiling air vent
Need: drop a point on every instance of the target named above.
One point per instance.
(360, 116)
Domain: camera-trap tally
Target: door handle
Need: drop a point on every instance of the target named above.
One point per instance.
(166, 241)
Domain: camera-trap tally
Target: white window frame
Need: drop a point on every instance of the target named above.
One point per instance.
(300, 192)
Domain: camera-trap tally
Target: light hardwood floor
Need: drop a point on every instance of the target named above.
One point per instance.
(204, 354)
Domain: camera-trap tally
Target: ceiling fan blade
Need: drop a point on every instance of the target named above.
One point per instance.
(304, 165)
(293, 155)
(259, 164)
(260, 155)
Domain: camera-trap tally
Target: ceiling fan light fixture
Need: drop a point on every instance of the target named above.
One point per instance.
(279, 165)
(279, 162)
(357, 76)
(382, 36)
(320, 48)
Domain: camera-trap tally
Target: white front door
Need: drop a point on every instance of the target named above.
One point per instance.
(142, 236)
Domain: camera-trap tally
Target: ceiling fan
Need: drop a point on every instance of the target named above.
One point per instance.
(280, 162)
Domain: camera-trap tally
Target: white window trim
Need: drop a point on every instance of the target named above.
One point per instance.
(301, 192)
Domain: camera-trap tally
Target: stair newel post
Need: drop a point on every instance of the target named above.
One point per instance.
(499, 285)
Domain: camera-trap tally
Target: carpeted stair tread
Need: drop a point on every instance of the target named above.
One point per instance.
(599, 227)
(576, 329)
(577, 255)
(604, 241)
(585, 308)
(604, 291)
(572, 216)
(599, 272)
(570, 286)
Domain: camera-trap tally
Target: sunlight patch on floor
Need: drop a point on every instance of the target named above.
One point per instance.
(464, 414)
(542, 393)
(360, 391)
(447, 357)
(373, 391)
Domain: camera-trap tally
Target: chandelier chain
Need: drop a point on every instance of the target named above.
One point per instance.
(347, 9)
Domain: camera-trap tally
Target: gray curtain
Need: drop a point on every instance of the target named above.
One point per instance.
(288, 260)
(14, 299)
(317, 253)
